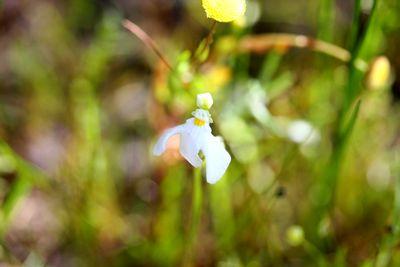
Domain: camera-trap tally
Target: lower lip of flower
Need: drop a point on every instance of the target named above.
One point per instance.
(199, 122)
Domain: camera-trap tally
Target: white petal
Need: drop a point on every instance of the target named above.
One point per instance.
(217, 159)
(161, 144)
(300, 131)
(190, 150)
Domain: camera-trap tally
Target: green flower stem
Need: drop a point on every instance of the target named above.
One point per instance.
(196, 203)
(197, 200)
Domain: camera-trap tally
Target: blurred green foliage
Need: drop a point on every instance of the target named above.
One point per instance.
(314, 179)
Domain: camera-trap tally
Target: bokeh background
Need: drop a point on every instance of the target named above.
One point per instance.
(314, 178)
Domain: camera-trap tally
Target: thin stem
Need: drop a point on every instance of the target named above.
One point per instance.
(146, 39)
(197, 200)
(355, 24)
(263, 42)
(210, 35)
(202, 48)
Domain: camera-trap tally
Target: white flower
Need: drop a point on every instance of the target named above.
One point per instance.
(300, 131)
(196, 136)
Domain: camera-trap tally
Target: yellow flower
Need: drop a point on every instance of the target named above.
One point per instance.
(217, 77)
(224, 10)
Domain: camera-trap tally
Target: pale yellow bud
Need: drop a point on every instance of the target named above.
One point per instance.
(379, 73)
(224, 10)
(204, 101)
(295, 235)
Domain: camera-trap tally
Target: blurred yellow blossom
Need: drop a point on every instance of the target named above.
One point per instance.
(226, 45)
(224, 10)
(240, 22)
(217, 77)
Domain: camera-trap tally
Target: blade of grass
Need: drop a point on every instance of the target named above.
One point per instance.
(355, 76)
(27, 176)
(351, 122)
(355, 25)
(325, 20)
(325, 194)
(269, 67)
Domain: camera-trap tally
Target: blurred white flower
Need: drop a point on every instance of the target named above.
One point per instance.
(300, 131)
(196, 136)
(379, 175)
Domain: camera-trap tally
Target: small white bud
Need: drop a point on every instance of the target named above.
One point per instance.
(204, 101)
(379, 73)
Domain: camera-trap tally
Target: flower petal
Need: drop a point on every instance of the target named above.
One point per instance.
(161, 144)
(190, 150)
(217, 159)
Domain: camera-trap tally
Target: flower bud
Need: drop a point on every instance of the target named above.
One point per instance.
(224, 10)
(379, 73)
(204, 101)
(295, 235)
